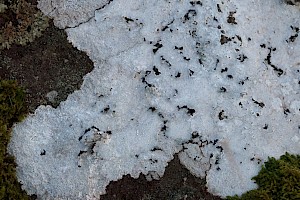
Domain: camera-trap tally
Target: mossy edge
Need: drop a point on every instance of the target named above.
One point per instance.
(278, 179)
(12, 109)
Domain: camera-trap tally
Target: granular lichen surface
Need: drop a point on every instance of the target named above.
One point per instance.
(216, 82)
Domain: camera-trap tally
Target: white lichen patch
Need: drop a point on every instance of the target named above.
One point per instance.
(70, 13)
(215, 81)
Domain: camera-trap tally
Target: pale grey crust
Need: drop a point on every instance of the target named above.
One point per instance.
(215, 82)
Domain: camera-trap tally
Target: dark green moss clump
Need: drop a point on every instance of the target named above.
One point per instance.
(12, 109)
(278, 179)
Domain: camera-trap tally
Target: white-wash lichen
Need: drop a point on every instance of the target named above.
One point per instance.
(215, 81)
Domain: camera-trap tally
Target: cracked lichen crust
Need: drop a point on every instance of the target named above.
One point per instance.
(71, 13)
(216, 82)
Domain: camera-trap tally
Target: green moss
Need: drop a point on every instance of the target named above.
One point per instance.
(278, 179)
(12, 109)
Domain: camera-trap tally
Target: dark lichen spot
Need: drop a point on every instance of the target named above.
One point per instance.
(161, 115)
(108, 132)
(147, 73)
(242, 82)
(292, 38)
(152, 109)
(191, 72)
(286, 111)
(239, 38)
(185, 58)
(200, 61)
(193, 3)
(188, 15)
(220, 148)
(261, 104)
(81, 152)
(94, 127)
(242, 57)
(190, 111)
(158, 46)
(179, 48)
(215, 141)
(165, 61)
(43, 152)
(163, 128)
(291, 2)
(222, 115)
(224, 70)
(178, 75)
(195, 134)
(156, 71)
(224, 39)
(223, 89)
(156, 149)
(106, 109)
(87, 130)
(167, 26)
(263, 46)
(231, 18)
(176, 92)
(218, 7)
(127, 19)
(268, 60)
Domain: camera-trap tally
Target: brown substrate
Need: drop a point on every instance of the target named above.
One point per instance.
(176, 184)
(49, 63)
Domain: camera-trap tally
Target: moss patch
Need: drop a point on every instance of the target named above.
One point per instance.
(278, 179)
(12, 109)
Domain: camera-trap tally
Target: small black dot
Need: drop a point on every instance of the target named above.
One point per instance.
(43, 152)
(222, 89)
